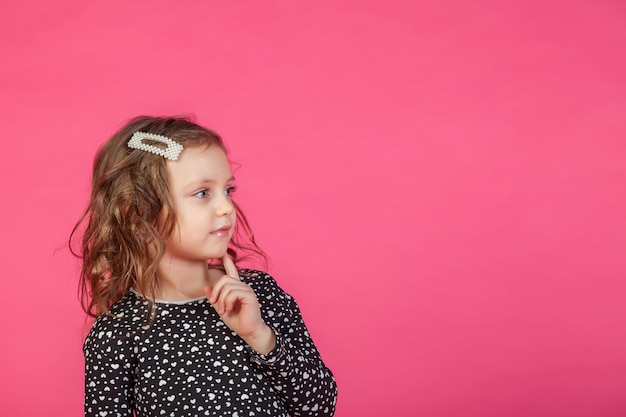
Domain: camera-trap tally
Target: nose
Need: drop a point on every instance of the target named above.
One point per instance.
(224, 206)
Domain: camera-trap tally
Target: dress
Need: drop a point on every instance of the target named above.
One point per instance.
(189, 363)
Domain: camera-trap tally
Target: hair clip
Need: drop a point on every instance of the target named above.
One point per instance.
(171, 151)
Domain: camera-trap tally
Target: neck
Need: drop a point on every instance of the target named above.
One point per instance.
(182, 280)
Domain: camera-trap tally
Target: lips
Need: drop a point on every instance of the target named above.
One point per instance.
(222, 231)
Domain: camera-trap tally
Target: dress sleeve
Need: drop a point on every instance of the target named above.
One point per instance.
(294, 366)
(108, 371)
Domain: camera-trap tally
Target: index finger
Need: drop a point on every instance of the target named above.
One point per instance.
(229, 266)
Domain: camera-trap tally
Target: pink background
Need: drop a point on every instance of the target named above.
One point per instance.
(439, 184)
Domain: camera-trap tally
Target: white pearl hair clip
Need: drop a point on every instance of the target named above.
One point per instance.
(171, 152)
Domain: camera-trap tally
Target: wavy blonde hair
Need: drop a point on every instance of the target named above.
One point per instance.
(131, 214)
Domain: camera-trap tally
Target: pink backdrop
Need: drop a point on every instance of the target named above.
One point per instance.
(439, 184)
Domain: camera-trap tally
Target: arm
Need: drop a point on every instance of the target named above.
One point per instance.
(108, 371)
(294, 366)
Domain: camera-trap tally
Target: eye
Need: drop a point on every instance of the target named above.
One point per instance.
(202, 193)
(230, 190)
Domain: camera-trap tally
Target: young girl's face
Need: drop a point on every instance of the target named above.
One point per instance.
(201, 184)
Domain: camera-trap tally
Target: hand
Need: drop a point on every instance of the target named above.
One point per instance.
(239, 309)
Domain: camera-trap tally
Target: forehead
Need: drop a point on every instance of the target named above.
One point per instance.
(197, 164)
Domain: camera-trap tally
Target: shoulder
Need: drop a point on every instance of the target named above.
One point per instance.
(270, 295)
(116, 327)
(263, 284)
(253, 275)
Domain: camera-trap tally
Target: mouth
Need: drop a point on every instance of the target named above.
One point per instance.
(222, 231)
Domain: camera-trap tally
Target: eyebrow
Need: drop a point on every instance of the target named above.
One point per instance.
(203, 181)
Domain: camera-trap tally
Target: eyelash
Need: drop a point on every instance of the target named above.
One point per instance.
(228, 191)
(231, 190)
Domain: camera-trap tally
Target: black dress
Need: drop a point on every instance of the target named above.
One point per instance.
(189, 363)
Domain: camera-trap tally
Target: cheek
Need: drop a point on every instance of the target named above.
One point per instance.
(232, 218)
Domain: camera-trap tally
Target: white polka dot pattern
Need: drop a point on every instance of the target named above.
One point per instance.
(188, 363)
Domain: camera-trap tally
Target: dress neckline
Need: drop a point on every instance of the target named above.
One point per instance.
(176, 302)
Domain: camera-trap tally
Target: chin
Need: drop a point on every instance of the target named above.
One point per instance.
(219, 253)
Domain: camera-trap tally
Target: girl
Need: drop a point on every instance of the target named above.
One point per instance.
(179, 330)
